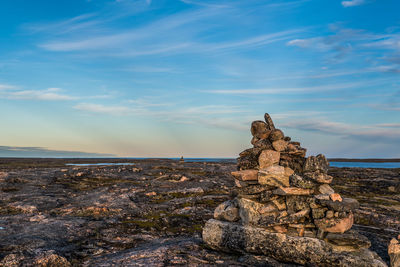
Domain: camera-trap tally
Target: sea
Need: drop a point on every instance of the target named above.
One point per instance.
(339, 164)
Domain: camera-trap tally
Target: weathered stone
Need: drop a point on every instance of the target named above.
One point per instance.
(311, 251)
(394, 252)
(248, 159)
(254, 140)
(329, 214)
(319, 177)
(325, 189)
(296, 203)
(301, 182)
(335, 225)
(280, 203)
(268, 158)
(318, 213)
(279, 145)
(273, 176)
(287, 138)
(263, 144)
(293, 218)
(269, 122)
(242, 184)
(318, 163)
(289, 171)
(292, 161)
(276, 135)
(259, 129)
(335, 197)
(348, 204)
(283, 191)
(256, 189)
(246, 175)
(227, 211)
(349, 241)
(252, 212)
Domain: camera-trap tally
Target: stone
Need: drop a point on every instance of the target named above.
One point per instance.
(319, 177)
(268, 158)
(279, 145)
(254, 140)
(283, 191)
(276, 135)
(349, 241)
(252, 212)
(289, 171)
(248, 159)
(301, 182)
(227, 211)
(259, 129)
(348, 204)
(335, 197)
(243, 184)
(394, 252)
(246, 175)
(279, 203)
(51, 260)
(329, 214)
(293, 218)
(326, 189)
(263, 144)
(273, 176)
(232, 237)
(318, 213)
(318, 163)
(292, 161)
(296, 203)
(335, 225)
(269, 122)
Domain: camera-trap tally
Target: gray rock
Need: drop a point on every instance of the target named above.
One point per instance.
(350, 240)
(347, 204)
(301, 182)
(318, 163)
(227, 211)
(276, 135)
(301, 250)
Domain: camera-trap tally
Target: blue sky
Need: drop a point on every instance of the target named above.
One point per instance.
(165, 78)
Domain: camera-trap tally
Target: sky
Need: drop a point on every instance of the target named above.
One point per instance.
(165, 78)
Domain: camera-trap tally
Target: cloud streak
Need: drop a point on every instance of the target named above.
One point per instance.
(25, 152)
(352, 3)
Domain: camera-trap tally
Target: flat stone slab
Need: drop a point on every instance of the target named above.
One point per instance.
(233, 237)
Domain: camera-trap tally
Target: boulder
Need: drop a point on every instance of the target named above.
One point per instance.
(347, 204)
(232, 237)
(301, 182)
(268, 158)
(269, 122)
(273, 176)
(227, 211)
(276, 135)
(253, 213)
(319, 177)
(325, 189)
(279, 145)
(349, 241)
(259, 129)
(284, 191)
(263, 144)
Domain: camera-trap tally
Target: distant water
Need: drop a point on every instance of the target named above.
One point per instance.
(231, 160)
(385, 165)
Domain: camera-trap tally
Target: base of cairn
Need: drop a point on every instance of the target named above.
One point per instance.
(233, 237)
(285, 209)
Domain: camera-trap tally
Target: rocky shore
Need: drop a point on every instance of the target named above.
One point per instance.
(151, 213)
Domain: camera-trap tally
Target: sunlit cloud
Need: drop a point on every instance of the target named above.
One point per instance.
(351, 3)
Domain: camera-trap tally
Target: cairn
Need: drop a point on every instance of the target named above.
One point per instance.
(285, 209)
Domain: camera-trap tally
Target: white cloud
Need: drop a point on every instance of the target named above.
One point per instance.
(6, 87)
(50, 94)
(351, 3)
(103, 109)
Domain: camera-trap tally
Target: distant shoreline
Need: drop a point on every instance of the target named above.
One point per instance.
(362, 160)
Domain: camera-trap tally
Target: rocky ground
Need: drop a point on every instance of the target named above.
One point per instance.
(149, 213)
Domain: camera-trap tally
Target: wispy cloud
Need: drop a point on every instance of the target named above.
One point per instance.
(16, 151)
(308, 89)
(50, 94)
(6, 86)
(351, 3)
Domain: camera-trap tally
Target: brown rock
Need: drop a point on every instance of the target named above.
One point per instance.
(335, 197)
(259, 129)
(254, 140)
(279, 145)
(284, 191)
(319, 177)
(227, 211)
(273, 176)
(326, 189)
(246, 175)
(269, 122)
(394, 252)
(318, 163)
(276, 135)
(263, 144)
(268, 158)
(335, 225)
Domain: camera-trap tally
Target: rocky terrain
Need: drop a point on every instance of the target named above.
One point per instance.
(150, 213)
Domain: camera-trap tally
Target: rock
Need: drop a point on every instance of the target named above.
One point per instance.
(248, 159)
(394, 252)
(335, 225)
(276, 135)
(335, 197)
(273, 176)
(349, 241)
(348, 204)
(301, 250)
(263, 144)
(51, 260)
(259, 129)
(283, 191)
(319, 177)
(227, 211)
(292, 161)
(297, 203)
(254, 213)
(301, 182)
(246, 175)
(329, 214)
(254, 140)
(244, 184)
(318, 163)
(318, 213)
(326, 189)
(293, 218)
(279, 145)
(268, 158)
(269, 122)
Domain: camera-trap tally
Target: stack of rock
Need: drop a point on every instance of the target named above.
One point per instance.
(284, 207)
